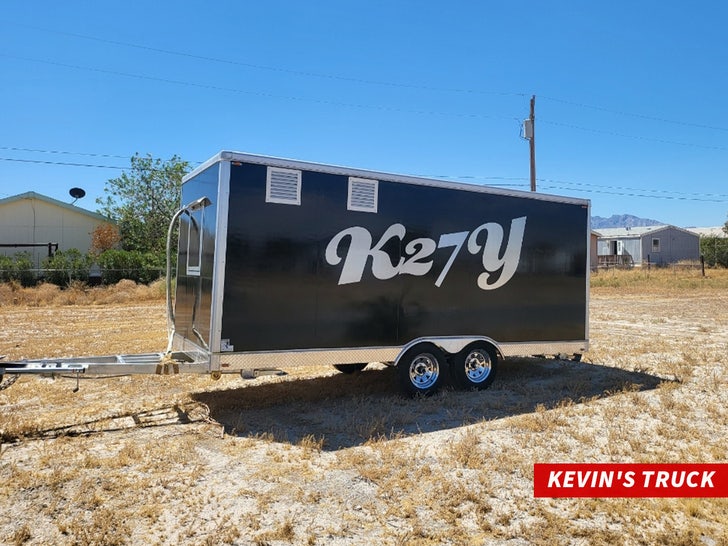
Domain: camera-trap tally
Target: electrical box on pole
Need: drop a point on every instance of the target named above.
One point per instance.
(528, 129)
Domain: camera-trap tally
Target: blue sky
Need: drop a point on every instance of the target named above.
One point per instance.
(630, 107)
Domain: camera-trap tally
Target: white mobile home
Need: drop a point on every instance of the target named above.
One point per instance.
(30, 222)
(657, 245)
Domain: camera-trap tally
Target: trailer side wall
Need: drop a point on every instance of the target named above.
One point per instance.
(417, 263)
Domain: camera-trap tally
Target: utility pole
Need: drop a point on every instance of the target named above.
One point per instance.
(531, 136)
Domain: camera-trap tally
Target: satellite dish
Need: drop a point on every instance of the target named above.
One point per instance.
(77, 193)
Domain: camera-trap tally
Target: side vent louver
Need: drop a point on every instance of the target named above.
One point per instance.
(283, 186)
(363, 195)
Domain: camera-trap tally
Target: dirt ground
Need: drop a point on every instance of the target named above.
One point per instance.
(319, 457)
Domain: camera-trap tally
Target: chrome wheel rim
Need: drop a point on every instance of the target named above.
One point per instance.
(477, 366)
(424, 371)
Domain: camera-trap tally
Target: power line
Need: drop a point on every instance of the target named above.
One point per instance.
(352, 105)
(636, 137)
(592, 188)
(629, 192)
(517, 181)
(635, 115)
(63, 152)
(64, 163)
(669, 192)
(605, 190)
(267, 67)
(475, 178)
(524, 183)
(256, 93)
(363, 80)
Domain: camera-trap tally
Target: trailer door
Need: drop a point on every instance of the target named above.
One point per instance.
(195, 259)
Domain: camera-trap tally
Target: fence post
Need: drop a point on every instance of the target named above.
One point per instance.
(702, 264)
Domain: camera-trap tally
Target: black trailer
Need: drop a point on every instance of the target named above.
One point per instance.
(284, 262)
(294, 262)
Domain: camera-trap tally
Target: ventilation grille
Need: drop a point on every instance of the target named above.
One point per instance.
(363, 195)
(283, 186)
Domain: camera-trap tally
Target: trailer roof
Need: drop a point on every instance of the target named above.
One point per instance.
(245, 157)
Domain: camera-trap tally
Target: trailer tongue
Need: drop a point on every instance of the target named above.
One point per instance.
(142, 363)
(150, 363)
(283, 263)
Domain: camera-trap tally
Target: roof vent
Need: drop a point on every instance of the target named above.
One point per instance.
(283, 186)
(363, 195)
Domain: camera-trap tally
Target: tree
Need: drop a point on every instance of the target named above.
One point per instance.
(104, 237)
(143, 200)
(715, 250)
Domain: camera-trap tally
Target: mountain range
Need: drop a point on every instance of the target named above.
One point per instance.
(622, 221)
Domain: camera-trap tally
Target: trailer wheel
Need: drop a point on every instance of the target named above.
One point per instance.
(351, 368)
(475, 366)
(421, 369)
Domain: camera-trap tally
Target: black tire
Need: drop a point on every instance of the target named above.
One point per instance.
(422, 370)
(351, 368)
(475, 366)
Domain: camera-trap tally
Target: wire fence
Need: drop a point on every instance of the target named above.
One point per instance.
(685, 266)
(90, 275)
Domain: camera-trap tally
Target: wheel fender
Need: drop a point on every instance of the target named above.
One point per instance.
(449, 345)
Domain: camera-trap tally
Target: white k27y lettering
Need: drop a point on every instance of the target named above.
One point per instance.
(486, 239)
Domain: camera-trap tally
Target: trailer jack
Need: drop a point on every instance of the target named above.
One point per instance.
(78, 381)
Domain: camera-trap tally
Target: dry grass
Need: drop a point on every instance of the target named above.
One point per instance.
(665, 280)
(78, 293)
(319, 457)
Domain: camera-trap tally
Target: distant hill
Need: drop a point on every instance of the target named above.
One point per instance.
(622, 221)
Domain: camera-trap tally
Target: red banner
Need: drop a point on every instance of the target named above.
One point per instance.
(630, 480)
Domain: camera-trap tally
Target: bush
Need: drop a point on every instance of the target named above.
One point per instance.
(71, 266)
(67, 266)
(6, 266)
(19, 268)
(143, 267)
